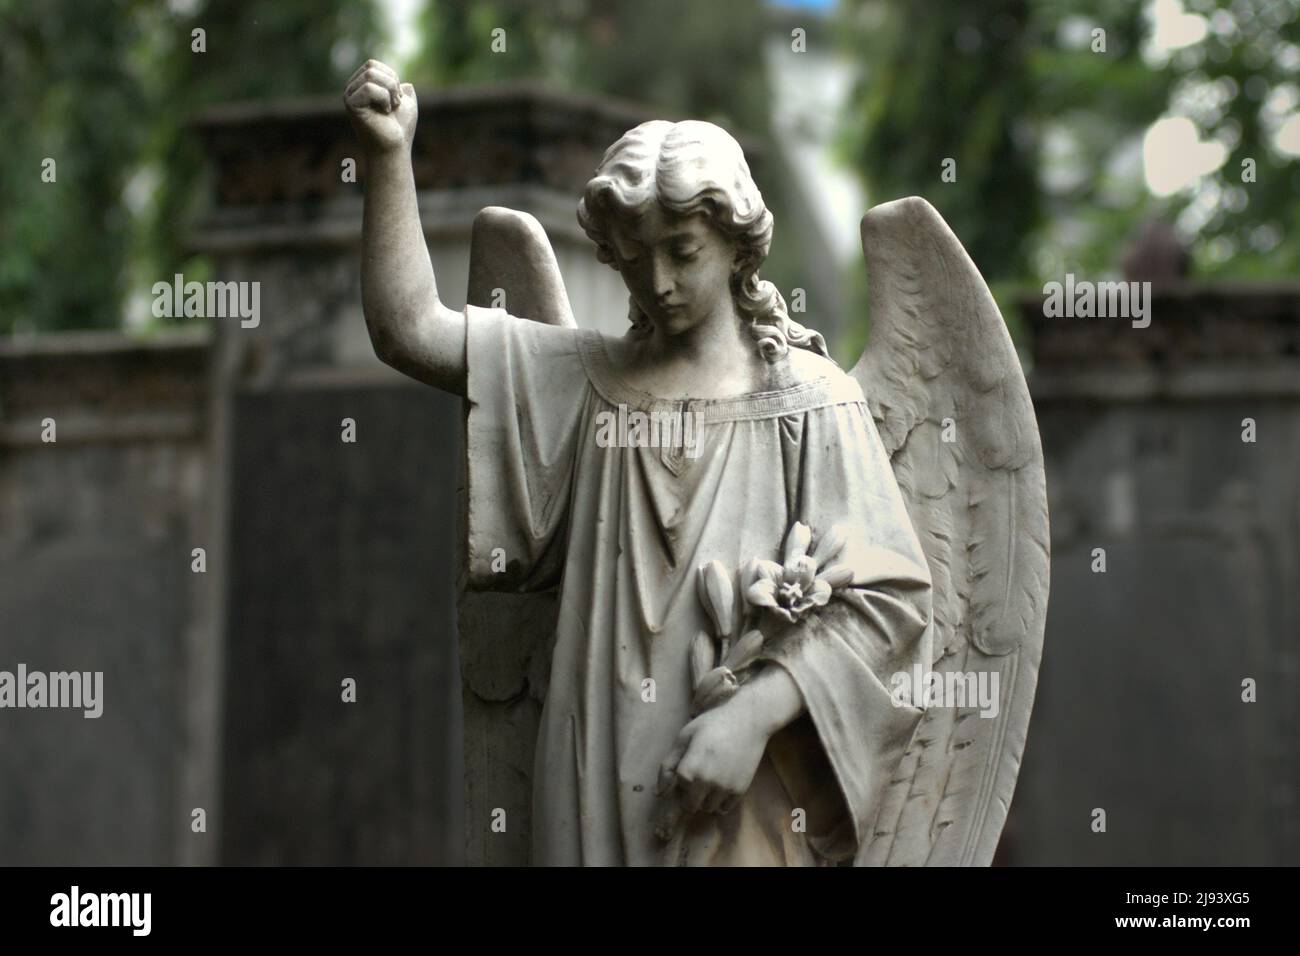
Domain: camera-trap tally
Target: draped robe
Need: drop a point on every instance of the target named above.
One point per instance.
(622, 531)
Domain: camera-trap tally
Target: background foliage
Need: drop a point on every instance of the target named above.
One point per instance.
(1046, 132)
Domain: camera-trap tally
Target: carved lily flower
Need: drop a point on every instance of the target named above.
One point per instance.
(716, 594)
(802, 581)
(720, 661)
(714, 684)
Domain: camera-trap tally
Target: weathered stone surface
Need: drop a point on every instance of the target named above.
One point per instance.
(342, 569)
(96, 531)
(1140, 709)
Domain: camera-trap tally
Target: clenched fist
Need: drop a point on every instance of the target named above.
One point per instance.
(382, 108)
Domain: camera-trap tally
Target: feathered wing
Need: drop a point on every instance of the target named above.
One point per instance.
(952, 408)
(508, 250)
(504, 638)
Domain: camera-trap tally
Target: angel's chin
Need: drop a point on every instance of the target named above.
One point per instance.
(676, 322)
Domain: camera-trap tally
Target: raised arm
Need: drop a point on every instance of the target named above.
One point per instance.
(409, 326)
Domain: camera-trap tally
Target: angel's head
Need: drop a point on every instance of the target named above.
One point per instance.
(673, 208)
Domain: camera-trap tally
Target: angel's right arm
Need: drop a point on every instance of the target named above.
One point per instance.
(409, 326)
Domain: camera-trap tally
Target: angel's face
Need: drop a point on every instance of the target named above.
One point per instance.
(677, 268)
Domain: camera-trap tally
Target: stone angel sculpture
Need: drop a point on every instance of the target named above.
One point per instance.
(728, 611)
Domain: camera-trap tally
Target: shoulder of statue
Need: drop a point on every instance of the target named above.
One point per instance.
(802, 367)
(806, 366)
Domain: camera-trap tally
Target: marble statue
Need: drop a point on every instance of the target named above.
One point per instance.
(776, 583)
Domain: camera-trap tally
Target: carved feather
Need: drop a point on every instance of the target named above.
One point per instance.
(952, 408)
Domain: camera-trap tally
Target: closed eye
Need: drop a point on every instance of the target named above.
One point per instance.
(627, 252)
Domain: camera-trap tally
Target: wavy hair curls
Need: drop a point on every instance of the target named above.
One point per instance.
(689, 167)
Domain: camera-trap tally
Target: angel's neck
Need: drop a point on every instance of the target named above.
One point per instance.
(720, 342)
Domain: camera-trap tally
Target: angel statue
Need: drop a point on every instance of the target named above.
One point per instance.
(735, 610)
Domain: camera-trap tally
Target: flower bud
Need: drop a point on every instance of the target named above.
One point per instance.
(830, 544)
(745, 650)
(702, 655)
(839, 576)
(717, 593)
(796, 542)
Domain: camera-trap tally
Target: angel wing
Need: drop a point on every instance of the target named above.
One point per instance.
(953, 411)
(504, 638)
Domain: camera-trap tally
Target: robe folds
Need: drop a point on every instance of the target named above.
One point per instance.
(622, 528)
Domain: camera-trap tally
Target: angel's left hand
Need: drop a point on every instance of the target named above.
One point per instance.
(716, 755)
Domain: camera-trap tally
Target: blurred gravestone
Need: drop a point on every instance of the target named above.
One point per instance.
(96, 530)
(1140, 708)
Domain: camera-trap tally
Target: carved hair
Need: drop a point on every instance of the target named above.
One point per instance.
(691, 167)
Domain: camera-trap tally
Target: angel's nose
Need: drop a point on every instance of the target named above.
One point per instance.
(662, 279)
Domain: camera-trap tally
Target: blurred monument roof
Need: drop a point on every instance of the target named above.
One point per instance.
(286, 151)
(487, 95)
